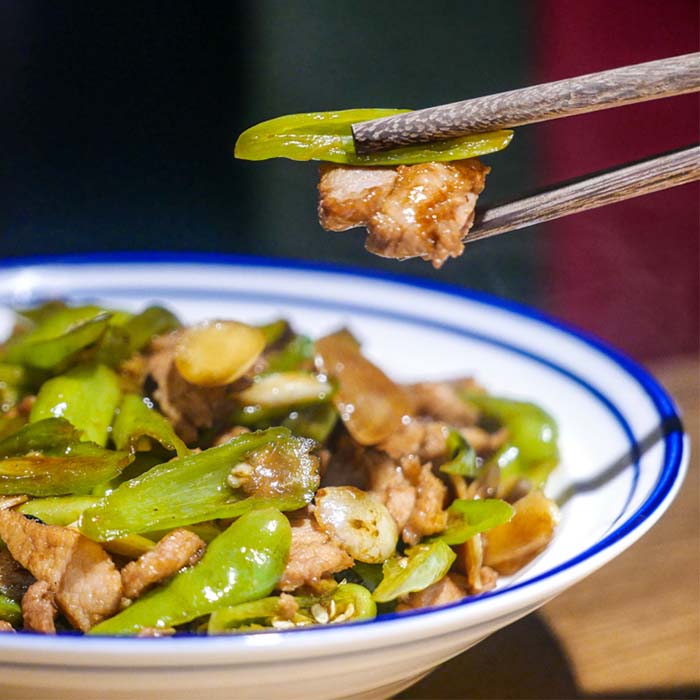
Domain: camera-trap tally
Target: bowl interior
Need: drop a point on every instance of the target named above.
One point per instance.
(621, 441)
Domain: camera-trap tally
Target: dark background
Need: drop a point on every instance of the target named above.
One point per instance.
(119, 119)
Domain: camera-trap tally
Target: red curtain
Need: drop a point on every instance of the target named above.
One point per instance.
(627, 272)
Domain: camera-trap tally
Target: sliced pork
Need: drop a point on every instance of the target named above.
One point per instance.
(422, 210)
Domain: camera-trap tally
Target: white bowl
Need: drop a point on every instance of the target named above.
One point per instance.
(623, 459)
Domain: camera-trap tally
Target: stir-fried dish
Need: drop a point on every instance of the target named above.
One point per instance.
(225, 477)
(416, 201)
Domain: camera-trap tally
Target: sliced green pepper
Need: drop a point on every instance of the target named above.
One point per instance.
(135, 420)
(152, 321)
(244, 563)
(16, 381)
(57, 510)
(327, 136)
(87, 396)
(368, 575)
(10, 610)
(36, 314)
(314, 422)
(461, 456)
(47, 458)
(466, 518)
(422, 566)
(266, 468)
(297, 353)
(347, 603)
(274, 330)
(531, 450)
(133, 332)
(58, 337)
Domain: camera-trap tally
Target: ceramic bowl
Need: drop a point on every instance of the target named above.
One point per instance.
(623, 459)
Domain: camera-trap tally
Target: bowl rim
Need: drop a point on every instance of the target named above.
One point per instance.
(668, 481)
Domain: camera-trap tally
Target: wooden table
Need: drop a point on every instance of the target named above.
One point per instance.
(630, 630)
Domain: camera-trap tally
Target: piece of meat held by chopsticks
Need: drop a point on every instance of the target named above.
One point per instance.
(423, 210)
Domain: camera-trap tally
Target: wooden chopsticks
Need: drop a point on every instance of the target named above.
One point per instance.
(650, 175)
(564, 98)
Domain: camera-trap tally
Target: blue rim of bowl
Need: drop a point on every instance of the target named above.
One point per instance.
(673, 434)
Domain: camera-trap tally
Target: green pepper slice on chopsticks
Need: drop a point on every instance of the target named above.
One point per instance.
(327, 136)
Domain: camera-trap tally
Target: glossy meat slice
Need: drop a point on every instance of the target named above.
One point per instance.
(312, 556)
(39, 608)
(412, 493)
(425, 439)
(177, 549)
(425, 211)
(389, 484)
(349, 197)
(428, 516)
(83, 578)
(441, 401)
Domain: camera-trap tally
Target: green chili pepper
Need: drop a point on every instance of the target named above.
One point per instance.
(16, 381)
(244, 563)
(10, 610)
(327, 136)
(57, 510)
(347, 603)
(274, 330)
(368, 575)
(314, 422)
(467, 518)
(87, 396)
(266, 468)
(47, 458)
(296, 354)
(461, 456)
(58, 337)
(131, 333)
(152, 321)
(36, 314)
(531, 450)
(422, 566)
(135, 420)
(245, 617)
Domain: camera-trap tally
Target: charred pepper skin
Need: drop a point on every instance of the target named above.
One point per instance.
(244, 563)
